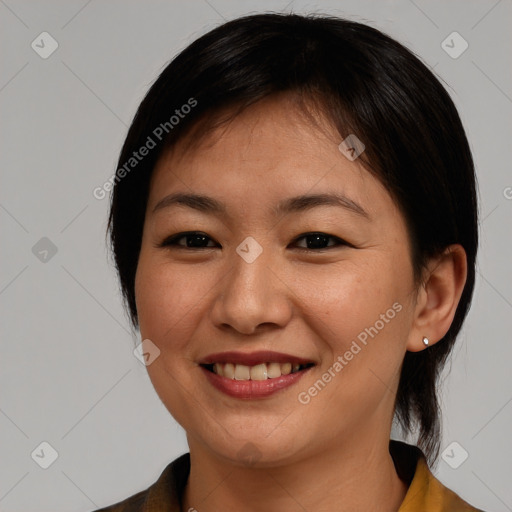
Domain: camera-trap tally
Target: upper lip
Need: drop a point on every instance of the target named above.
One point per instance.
(253, 358)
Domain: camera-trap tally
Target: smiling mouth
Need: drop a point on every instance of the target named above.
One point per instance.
(261, 371)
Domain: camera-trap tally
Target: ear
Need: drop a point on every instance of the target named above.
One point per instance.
(438, 297)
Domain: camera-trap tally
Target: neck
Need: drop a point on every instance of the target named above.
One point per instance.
(353, 476)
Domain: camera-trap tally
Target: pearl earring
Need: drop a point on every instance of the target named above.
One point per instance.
(425, 340)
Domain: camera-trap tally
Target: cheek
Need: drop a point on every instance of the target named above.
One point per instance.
(352, 297)
(169, 306)
(360, 317)
(169, 300)
(362, 314)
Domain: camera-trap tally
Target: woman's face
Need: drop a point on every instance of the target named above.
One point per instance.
(253, 281)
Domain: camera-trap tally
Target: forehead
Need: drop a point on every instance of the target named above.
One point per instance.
(271, 150)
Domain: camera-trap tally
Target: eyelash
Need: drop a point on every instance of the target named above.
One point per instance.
(172, 241)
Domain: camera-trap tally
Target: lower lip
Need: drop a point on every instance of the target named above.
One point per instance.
(248, 389)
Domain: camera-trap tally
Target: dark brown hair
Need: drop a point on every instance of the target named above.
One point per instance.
(367, 84)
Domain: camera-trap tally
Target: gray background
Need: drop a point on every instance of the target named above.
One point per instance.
(68, 373)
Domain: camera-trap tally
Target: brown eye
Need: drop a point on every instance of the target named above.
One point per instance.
(320, 241)
(193, 239)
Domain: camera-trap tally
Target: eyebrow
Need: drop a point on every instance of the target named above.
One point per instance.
(301, 203)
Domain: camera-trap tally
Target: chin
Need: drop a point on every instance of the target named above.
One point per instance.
(257, 451)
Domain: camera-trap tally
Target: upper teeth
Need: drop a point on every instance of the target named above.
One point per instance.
(259, 372)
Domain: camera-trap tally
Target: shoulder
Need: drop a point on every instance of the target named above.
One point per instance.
(165, 494)
(134, 503)
(425, 491)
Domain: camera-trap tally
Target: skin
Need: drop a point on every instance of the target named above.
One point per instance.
(332, 453)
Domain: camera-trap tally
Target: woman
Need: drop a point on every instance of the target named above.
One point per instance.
(294, 223)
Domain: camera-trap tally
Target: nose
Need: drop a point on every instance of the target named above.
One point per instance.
(253, 296)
